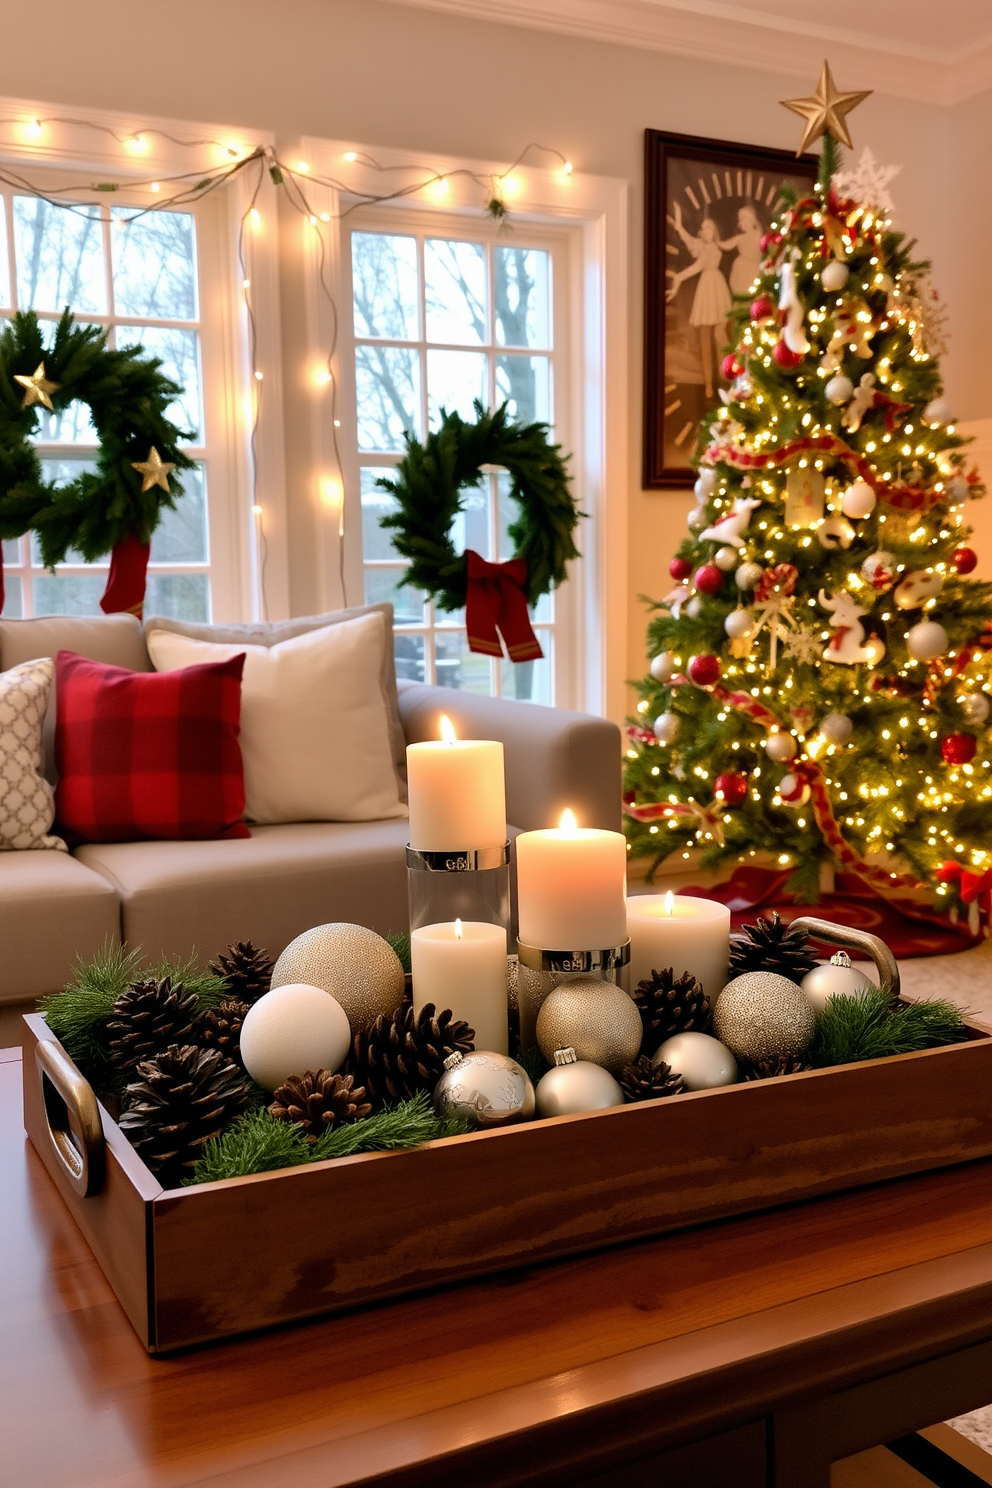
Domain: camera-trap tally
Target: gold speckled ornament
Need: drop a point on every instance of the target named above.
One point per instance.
(353, 964)
(762, 1015)
(595, 1018)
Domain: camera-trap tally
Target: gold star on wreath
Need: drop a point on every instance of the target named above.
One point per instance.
(826, 110)
(37, 387)
(154, 471)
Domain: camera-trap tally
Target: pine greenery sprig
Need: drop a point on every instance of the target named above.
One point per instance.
(874, 1026)
(400, 943)
(257, 1143)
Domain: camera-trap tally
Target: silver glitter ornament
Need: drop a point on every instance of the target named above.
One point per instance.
(353, 964)
(576, 1085)
(595, 1018)
(762, 1015)
(838, 978)
(487, 1089)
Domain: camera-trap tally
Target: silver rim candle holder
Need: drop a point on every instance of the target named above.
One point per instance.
(541, 970)
(463, 884)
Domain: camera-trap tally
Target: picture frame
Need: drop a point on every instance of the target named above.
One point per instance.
(690, 182)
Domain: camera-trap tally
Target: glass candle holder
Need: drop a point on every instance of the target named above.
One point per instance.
(466, 884)
(541, 970)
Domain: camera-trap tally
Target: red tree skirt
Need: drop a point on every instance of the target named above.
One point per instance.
(752, 891)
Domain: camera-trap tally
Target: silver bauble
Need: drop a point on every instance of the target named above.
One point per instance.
(781, 747)
(937, 411)
(576, 1085)
(738, 624)
(762, 1015)
(726, 558)
(837, 978)
(879, 569)
(839, 389)
(595, 1018)
(702, 1061)
(487, 1089)
(748, 575)
(666, 727)
(663, 666)
(975, 706)
(837, 728)
(859, 500)
(926, 641)
(834, 275)
(353, 964)
(957, 490)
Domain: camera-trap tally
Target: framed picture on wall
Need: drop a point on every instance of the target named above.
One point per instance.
(707, 205)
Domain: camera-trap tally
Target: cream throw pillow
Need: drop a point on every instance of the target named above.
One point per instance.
(27, 802)
(314, 721)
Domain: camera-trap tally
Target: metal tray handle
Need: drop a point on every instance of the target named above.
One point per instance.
(848, 939)
(72, 1115)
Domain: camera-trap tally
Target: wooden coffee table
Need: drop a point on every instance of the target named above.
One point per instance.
(743, 1354)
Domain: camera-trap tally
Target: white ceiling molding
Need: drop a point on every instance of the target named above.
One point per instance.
(741, 37)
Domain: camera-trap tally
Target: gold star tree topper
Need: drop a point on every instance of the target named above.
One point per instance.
(826, 110)
(37, 387)
(154, 471)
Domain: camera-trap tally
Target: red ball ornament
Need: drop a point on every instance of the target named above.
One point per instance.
(731, 788)
(704, 670)
(709, 579)
(761, 308)
(786, 359)
(680, 568)
(731, 367)
(958, 749)
(964, 560)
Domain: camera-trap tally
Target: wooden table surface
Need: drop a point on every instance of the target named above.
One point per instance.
(547, 1376)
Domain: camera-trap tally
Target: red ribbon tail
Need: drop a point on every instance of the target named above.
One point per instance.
(125, 591)
(496, 606)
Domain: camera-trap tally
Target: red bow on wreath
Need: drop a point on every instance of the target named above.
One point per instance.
(495, 606)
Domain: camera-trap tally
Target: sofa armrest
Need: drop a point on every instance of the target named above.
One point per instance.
(553, 758)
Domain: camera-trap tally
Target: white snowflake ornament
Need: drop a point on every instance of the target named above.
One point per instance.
(868, 185)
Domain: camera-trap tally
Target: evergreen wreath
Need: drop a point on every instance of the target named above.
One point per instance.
(429, 491)
(127, 394)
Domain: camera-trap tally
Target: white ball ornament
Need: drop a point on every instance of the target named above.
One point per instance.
(837, 728)
(576, 1085)
(838, 978)
(879, 569)
(834, 276)
(666, 728)
(706, 483)
(663, 666)
(739, 624)
(352, 963)
(726, 558)
(293, 1029)
(839, 389)
(937, 411)
(957, 490)
(859, 500)
(702, 1061)
(748, 575)
(975, 706)
(926, 641)
(781, 748)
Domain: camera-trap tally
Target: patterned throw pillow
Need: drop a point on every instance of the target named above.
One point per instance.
(27, 805)
(148, 755)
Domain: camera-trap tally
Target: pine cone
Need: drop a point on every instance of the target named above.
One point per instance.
(245, 972)
(181, 1098)
(402, 1054)
(147, 1018)
(647, 1081)
(771, 945)
(319, 1100)
(220, 1028)
(768, 1069)
(669, 1004)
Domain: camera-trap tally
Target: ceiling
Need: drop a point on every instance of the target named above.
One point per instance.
(920, 49)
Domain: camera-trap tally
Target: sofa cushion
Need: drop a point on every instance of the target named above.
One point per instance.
(27, 804)
(52, 909)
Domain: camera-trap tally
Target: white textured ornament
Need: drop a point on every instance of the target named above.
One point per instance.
(957, 490)
(837, 728)
(859, 500)
(781, 747)
(839, 389)
(663, 666)
(937, 411)
(293, 1029)
(915, 588)
(748, 575)
(595, 1018)
(702, 1061)
(880, 569)
(726, 558)
(835, 531)
(926, 641)
(836, 978)
(666, 727)
(706, 482)
(975, 706)
(739, 624)
(352, 963)
(762, 1015)
(576, 1085)
(834, 276)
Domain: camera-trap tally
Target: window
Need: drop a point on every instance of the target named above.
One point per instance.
(442, 316)
(138, 276)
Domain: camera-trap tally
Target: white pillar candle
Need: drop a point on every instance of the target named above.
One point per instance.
(684, 933)
(457, 794)
(462, 966)
(571, 883)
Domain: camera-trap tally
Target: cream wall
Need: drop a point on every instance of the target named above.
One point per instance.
(395, 75)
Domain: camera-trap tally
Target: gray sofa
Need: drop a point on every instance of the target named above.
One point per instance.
(174, 897)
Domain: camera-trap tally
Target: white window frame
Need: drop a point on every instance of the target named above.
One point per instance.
(595, 208)
(99, 145)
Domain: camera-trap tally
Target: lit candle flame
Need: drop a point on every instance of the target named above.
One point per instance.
(458, 929)
(448, 730)
(567, 823)
(669, 903)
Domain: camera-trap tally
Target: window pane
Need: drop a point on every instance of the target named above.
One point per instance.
(387, 584)
(457, 666)
(388, 387)
(181, 535)
(4, 273)
(377, 541)
(68, 594)
(13, 601)
(410, 656)
(473, 525)
(154, 264)
(529, 681)
(179, 596)
(59, 257)
(455, 275)
(384, 284)
(523, 296)
(11, 549)
(179, 353)
(454, 379)
(525, 383)
(72, 426)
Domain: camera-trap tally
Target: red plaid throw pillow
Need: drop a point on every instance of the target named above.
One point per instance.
(148, 754)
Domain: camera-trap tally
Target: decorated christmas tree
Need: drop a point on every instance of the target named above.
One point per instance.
(822, 669)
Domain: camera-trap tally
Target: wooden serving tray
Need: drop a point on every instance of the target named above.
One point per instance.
(198, 1264)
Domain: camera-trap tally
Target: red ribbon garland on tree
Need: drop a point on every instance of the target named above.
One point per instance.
(495, 605)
